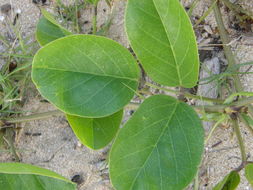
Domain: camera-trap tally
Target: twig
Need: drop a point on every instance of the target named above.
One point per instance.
(188, 95)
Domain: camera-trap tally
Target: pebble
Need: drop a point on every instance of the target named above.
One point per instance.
(77, 179)
(79, 144)
(2, 18)
(18, 11)
(5, 8)
(39, 1)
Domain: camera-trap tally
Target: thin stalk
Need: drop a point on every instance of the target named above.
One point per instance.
(5, 42)
(237, 9)
(228, 52)
(193, 5)
(214, 127)
(240, 140)
(246, 123)
(205, 15)
(210, 109)
(222, 108)
(9, 133)
(94, 21)
(206, 108)
(188, 95)
(196, 181)
(243, 102)
(38, 116)
(33, 117)
(76, 18)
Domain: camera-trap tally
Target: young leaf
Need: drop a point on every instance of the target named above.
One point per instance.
(95, 133)
(230, 182)
(162, 37)
(249, 173)
(48, 29)
(24, 176)
(86, 75)
(160, 147)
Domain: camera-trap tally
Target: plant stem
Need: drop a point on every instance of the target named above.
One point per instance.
(193, 5)
(38, 116)
(243, 102)
(211, 109)
(196, 181)
(94, 22)
(76, 18)
(133, 106)
(33, 117)
(214, 127)
(237, 9)
(240, 140)
(228, 52)
(205, 14)
(188, 95)
(9, 133)
(246, 123)
(222, 108)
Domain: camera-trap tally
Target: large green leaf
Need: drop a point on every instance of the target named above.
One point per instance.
(249, 173)
(160, 147)
(86, 75)
(19, 176)
(162, 37)
(230, 182)
(95, 133)
(48, 29)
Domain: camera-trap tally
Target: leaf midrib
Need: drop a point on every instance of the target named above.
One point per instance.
(171, 45)
(155, 146)
(90, 73)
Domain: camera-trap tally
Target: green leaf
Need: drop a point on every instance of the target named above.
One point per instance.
(230, 182)
(48, 29)
(249, 173)
(86, 75)
(160, 147)
(95, 133)
(162, 37)
(19, 176)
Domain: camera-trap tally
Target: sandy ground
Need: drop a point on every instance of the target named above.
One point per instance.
(57, 148)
